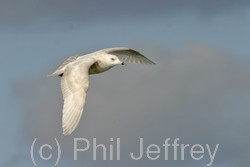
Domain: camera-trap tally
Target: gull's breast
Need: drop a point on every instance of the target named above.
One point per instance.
(96, 68)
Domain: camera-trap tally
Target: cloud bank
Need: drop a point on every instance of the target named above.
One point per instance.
(26, 12)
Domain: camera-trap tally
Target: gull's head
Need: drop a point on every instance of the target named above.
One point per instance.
(113, 60)
(106, 62)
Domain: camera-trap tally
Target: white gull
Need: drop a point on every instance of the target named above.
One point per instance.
(75, 78)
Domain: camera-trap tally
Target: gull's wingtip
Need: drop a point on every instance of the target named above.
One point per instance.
(150, 62)
(65, 134)
(50, 75)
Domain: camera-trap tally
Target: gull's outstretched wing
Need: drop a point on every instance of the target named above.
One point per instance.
(129, 55)
(74, 85)
(64, 65)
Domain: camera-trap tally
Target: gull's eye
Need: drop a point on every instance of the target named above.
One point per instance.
(113, 59)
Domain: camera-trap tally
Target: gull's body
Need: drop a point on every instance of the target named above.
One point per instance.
(75, 78)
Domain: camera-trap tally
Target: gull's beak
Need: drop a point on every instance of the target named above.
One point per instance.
(120, 62)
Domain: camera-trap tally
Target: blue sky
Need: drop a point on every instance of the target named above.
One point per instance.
(201, 50)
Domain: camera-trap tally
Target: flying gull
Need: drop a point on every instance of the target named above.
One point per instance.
(75, 78)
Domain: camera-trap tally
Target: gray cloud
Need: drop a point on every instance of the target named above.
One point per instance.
(25, 12)
(197, 95)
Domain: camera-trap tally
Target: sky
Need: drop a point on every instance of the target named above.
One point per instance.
(198, 91)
